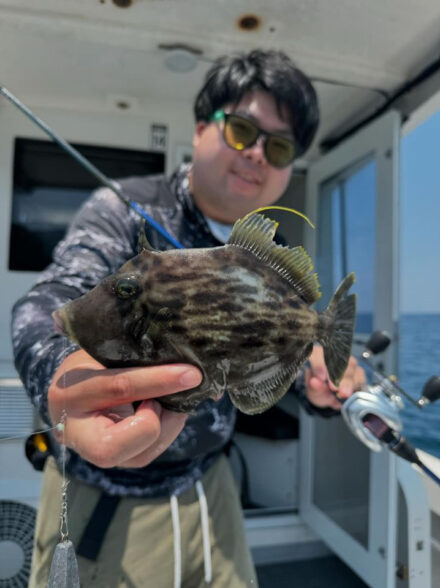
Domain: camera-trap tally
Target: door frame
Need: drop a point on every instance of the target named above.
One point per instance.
(376, 563)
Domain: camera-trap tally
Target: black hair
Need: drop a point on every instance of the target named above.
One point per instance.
(232, 76)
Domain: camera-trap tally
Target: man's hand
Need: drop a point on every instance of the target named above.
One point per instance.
(321, 391)
(101, 423)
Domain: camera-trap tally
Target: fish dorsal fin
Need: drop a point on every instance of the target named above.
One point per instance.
(295, 265)
(143, 242)
(255, 234)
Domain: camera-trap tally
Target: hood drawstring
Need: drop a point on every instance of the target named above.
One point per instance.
(205, 536)
(205, 531)
(177, 548)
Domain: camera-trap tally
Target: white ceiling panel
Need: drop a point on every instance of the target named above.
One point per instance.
(87, 53)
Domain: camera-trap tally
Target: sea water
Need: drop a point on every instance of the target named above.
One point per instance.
(419, 359)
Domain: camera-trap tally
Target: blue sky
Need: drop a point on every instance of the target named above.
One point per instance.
(420, 218)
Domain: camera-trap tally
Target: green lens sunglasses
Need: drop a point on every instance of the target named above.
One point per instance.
(240, 133)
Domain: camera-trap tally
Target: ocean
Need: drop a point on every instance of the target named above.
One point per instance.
(419, 359)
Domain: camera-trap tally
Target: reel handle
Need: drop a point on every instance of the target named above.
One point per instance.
(431, 391)
(377, 343)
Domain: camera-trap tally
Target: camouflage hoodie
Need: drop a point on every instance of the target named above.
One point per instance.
(102, 237)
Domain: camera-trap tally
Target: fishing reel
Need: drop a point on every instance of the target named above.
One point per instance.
(373, 414)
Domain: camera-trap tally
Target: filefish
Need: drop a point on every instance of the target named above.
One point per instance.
(240, 313)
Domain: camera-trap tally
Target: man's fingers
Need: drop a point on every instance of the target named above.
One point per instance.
(317, 363)
(332, 403)
(319, 394)
(354, 379)
(106, 443)
(360, 379)
(101, 424)
(321, 391)
(172, 424)
(100, 388)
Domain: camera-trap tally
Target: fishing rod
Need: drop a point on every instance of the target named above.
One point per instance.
(373, 414)
(86, 164)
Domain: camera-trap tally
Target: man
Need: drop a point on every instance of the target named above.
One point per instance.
(179, 522)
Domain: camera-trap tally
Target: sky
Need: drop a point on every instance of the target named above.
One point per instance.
(420, 218)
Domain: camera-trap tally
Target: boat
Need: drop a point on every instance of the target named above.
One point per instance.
(116, 78)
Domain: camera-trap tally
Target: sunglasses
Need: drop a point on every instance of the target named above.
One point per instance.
(241, 133)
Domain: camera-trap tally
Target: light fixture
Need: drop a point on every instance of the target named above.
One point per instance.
(180, 58)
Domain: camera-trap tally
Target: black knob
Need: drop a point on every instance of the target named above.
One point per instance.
(378, 342)
(431, 390)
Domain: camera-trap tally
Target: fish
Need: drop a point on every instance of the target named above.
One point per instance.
(240, 312)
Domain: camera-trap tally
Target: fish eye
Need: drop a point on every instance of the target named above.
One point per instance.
(127, 288)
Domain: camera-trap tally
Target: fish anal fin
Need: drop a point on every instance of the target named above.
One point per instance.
(258, 396)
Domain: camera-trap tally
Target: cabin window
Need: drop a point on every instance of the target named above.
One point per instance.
(346, 243)
(347, 234)
(48, 188)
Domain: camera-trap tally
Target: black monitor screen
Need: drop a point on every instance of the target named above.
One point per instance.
(49, 186)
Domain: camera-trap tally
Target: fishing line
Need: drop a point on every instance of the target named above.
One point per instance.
(64, 566)
(64, 527)
(286, 209)
(59, 427)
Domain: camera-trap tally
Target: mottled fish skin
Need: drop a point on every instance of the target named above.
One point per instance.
(222, 309)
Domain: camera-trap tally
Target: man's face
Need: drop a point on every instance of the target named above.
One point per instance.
(228, 184)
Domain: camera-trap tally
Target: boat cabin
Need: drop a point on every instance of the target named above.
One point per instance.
(116, 79)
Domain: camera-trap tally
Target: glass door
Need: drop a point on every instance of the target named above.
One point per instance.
(348, 494)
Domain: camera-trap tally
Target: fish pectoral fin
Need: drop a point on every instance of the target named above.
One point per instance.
(258, 396)
(158, 324)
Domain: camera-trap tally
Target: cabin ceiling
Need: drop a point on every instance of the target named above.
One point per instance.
(95, 54)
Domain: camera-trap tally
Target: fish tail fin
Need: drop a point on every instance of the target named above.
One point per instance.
(336, 327)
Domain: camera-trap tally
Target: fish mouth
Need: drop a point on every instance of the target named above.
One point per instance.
(63, 326)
